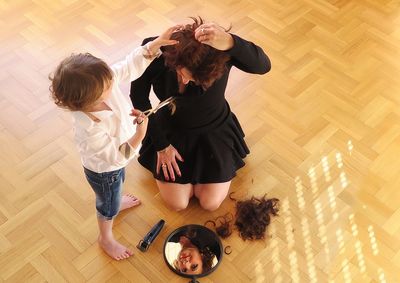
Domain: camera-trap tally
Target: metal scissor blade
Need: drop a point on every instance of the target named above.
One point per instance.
(159, 106)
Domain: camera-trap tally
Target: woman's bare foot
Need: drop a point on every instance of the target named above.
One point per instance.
(114, 249)
(129, 201)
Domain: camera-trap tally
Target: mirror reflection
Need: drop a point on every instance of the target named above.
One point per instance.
(193, 251)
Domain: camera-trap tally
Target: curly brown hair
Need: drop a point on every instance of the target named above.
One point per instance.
(79, 81)
(205, 63)
(222, 225)
(253, 216)
(207, 257)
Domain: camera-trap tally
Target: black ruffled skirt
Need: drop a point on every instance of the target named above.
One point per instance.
(211, 154)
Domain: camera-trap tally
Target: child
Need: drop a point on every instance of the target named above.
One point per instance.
(104, 127)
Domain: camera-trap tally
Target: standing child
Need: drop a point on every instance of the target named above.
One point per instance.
(104, 126)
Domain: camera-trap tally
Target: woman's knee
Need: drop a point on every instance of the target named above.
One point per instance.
(211, 195)
(177, 205)
(176, 196)
(210, 204)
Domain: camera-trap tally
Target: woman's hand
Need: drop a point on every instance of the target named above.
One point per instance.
(215, 36)
(164, 39)
(166, 160)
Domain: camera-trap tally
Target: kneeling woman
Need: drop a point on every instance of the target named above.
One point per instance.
(197, 150)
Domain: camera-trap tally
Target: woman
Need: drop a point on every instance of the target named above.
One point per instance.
(197, 150)
(193, 251)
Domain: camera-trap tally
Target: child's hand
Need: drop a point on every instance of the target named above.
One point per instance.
(164, 39)
(141, 122)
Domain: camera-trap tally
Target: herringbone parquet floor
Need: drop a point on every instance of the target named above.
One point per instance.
(323, 128)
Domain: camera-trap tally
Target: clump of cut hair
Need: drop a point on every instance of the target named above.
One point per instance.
(222, 225)
(205, 63)
(79, 81)
(253, 216)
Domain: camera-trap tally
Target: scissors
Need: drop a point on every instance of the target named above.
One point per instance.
(166, 102)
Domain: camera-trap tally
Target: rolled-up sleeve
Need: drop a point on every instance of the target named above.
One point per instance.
(133, 66)
(99, 147)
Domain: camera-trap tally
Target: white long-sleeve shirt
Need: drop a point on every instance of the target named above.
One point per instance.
(98, 142)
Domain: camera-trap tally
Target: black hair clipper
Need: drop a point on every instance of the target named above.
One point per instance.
(150, 236)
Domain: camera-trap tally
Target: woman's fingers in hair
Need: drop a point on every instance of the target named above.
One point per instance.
(206, 40)
(167, 34)
(206, 34)
(165, 38)
(170, 42)
(205, 27)
(201, 32)
(176, 27)
(215, 36)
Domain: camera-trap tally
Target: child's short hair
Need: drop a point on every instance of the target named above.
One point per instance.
(79, 81)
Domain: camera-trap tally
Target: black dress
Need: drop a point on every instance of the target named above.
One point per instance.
(203, 129)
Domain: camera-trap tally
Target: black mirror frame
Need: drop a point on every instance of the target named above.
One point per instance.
(181, 229)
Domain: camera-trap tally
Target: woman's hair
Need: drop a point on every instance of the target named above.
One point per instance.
(78, 81)
(253, 216)
(207, 257)
(205, 63)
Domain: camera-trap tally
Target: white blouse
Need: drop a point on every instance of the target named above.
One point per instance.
(98, 142)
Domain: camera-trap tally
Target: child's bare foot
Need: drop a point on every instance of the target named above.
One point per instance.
(129, 201)
(114, 249)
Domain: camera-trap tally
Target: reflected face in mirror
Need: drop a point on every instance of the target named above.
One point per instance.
(189, 260)
(192, 250)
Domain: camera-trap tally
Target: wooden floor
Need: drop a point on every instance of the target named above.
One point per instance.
(323, 128)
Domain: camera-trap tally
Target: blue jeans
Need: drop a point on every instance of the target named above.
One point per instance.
(107, 187)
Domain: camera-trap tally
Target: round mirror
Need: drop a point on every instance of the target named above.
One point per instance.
(193, 251)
